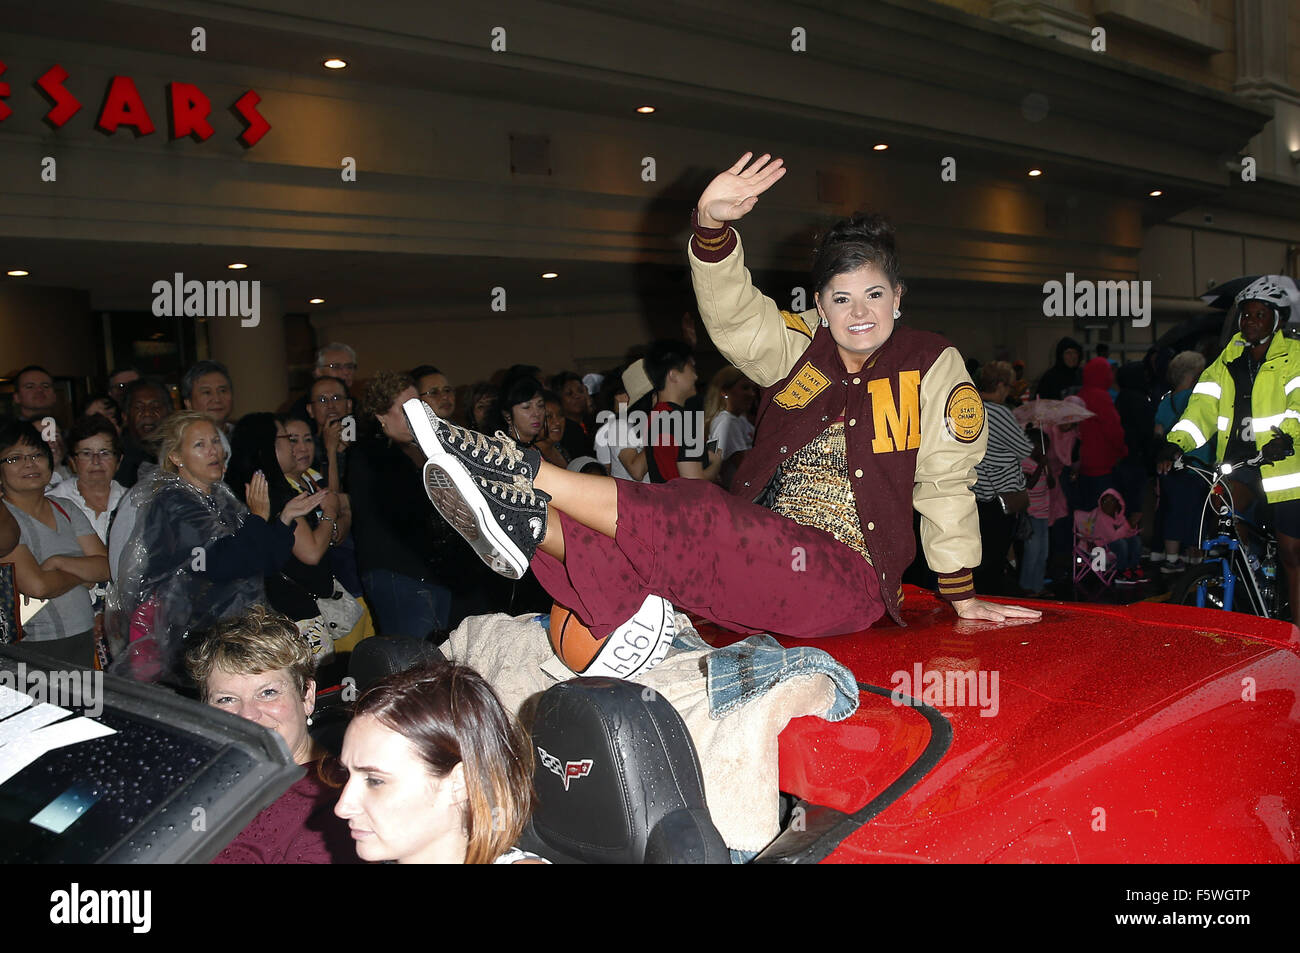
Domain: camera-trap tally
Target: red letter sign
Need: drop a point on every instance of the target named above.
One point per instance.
(189, 111)
(124, 107)
(65, 104)
(246, 106)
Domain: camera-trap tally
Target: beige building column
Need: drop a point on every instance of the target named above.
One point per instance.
(255, 355)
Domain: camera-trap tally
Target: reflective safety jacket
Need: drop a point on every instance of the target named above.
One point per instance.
(1275, 405)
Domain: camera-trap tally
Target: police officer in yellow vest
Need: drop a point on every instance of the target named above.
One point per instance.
(1250, 398)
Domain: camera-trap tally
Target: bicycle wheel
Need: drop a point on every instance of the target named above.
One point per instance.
(1184, 592)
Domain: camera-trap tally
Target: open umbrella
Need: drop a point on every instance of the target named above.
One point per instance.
(1051, 413)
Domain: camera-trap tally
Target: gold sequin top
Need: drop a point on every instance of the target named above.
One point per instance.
(813, 489)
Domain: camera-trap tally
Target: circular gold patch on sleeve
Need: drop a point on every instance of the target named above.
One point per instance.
(964, 413)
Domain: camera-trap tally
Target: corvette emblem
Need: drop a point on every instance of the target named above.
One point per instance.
(567, 771)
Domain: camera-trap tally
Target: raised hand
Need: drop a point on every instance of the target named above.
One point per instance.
(731, 195)
(301, 505)
(258, 495)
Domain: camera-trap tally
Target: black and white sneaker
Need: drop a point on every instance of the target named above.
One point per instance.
(503, 522)
(492, 458)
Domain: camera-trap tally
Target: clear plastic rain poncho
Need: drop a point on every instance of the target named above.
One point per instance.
(163, 591)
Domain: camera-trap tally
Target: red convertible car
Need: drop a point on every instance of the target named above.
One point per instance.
(1100, 734)
(1145, 733)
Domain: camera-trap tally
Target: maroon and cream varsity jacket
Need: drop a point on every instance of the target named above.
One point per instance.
(914, 422)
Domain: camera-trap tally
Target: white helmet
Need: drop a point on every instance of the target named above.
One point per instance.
(1270, 291)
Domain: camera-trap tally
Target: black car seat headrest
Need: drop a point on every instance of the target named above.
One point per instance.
(378, 656)
(618, 779)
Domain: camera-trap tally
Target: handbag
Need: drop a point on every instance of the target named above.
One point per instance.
(339, 613)
(1016, 501)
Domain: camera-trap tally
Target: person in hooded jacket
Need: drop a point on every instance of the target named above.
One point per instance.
(1137, 415)
(1108, 526)
(1063, 377)
(1101, 436)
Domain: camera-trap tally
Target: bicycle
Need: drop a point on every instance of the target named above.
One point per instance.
(1226, 578)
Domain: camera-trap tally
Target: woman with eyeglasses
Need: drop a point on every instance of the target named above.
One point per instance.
(58, 556)
(96, 454)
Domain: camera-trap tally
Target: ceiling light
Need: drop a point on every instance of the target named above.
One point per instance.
(645, 110)
(316, 301)
(236, 266)
(17, 273)
(1155, 193)
(880, 146)
(1035, 172)
(551, 274)
(334, 63)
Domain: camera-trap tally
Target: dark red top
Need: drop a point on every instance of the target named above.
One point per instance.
(299, 827)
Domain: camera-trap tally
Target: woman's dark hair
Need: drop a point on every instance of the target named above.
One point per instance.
(252, 448)
(93, 425)
(517, 390)
(21, 433)
(864, 239)
(451, 716)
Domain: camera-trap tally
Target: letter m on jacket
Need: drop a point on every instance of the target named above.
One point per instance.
(898, 423)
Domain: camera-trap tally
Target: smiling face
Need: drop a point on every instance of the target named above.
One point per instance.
(554, 421)
(526, 419)
(394, 806)
(200, 459)
(859, 309)
(294, 448)
(24, 468)
(212, 396)
(270, 699)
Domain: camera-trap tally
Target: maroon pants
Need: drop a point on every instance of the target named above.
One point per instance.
(715, 555)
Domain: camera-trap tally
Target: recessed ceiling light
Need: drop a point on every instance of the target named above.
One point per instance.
(1155, 193)
(550, 274)
(334, 63)
(316, 301)
(17, 273)
(1034, 172)
(236, 266)
(880, 146)
(645, 110)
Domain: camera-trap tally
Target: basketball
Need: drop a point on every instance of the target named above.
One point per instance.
(571, 640)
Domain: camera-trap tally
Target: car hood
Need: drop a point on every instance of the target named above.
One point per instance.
(1133, 723)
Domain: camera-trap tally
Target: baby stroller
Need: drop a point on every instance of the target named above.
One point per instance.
(1092, 560)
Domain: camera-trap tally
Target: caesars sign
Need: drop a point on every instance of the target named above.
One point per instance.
(187, 108)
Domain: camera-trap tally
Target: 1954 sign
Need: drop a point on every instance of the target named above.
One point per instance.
(187, 108)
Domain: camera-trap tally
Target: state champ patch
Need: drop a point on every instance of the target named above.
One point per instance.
(801, 390)
(963, 413)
